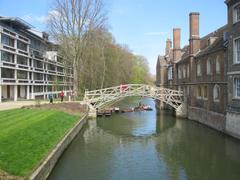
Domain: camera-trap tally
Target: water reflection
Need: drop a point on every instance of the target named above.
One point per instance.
(137, 124)
(145, 145)
(200, 152)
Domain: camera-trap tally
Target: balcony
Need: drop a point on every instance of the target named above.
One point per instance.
(8, 32)
(8, 80)
(24, 39)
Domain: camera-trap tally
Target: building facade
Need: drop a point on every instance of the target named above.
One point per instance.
(30, 66)
(208, 72)
(233, 68)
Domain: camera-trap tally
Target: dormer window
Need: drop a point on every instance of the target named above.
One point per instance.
(211, 40)
(236, 14)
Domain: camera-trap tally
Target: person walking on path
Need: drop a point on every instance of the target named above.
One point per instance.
(62, 96)
(50, 96)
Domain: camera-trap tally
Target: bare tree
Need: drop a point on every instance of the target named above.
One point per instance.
(69, 24)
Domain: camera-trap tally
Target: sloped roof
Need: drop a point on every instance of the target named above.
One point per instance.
(17, 22)
(215, 46)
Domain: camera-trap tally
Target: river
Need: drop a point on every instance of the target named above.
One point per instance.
(147, 146)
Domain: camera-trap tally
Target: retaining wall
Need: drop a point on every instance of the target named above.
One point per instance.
(233, 124)
(48, 164)
(209, 118)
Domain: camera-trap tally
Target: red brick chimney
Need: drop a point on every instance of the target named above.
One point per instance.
(176, 44)
(194, 39)
(168, 46)
(176, 53)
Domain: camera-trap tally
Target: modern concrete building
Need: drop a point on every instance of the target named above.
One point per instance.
(30, 66)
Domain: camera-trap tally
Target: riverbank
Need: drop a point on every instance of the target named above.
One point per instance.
(29, 134)
(148, 145)
(19, 104)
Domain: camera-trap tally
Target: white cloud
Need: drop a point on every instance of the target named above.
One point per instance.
(39, 19)
(156, 33)
(53, 13)
(135, 53)
(34, 18)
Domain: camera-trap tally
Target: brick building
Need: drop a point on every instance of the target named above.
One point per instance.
(233, 68)
(208, 71)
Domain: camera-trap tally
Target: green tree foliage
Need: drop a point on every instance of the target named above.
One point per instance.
(79, 26)
(110, 64)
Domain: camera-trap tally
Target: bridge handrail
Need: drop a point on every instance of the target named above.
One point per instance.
(102, 96)
(133, 85)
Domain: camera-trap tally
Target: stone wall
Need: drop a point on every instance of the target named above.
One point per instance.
(233, 124)
(48, 164)
(209, 118)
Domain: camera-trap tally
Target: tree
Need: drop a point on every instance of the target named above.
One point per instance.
(69, 25)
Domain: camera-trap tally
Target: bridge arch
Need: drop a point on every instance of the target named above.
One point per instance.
(102, 97)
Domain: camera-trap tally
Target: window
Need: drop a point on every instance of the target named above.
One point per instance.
(36, 44)
(50, 78)
(59, 59)
(180, 72)
(49, 88)
(51, 67)
(216, 93)
(60, 79)
(38, 76)
(38, 64)
(188, 70)
(6, 56)
(22, 60)
(237, 50)
(209, 67)
(218, 65)
(38, 88)
(205, 92)
(60, 69)
(170, 73)
(236, 14)
(184, 71)
(237, 87)
(7, 73)
(22, 75)
(186, 91)
(199, 92)
(7, 40)
(22, 46)
(199, 71)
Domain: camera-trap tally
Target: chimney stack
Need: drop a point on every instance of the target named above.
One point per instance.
(176, 44)
(168, 46)
(194, 39)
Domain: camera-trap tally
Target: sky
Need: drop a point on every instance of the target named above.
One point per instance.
(142, 25)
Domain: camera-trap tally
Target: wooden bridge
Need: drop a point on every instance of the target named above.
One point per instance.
(104, 97)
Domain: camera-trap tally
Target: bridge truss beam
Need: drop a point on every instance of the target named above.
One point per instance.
(102, 97)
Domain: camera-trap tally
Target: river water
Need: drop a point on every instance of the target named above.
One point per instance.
(148, 146)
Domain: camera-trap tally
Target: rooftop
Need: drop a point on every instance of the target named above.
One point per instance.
(17, 22)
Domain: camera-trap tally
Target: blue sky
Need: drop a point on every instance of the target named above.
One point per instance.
(143, 25)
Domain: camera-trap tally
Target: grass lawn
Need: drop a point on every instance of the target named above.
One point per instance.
(28, 135)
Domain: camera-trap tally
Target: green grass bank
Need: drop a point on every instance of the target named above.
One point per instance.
(28, 135)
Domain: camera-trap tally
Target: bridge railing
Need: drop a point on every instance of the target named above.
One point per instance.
(102, 96)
